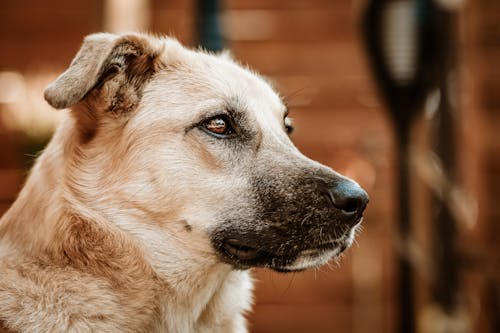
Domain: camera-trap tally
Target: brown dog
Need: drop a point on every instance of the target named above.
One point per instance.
(171, 175)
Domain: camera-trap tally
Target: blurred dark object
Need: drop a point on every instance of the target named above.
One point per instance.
(404, 90)
(445, 287)
(412, 48)
(208, 25)
(493, 302)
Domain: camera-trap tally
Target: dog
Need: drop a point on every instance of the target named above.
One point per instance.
(171, 175)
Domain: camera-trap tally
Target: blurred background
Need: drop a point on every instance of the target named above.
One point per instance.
(319, 56)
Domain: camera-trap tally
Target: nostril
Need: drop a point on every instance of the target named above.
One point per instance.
(350, 206)
(348, 197)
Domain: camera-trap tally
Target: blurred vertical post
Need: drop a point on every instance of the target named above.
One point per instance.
(399, 35)
(442, 140)
(445, 289)
(208, 25)
(412, 46)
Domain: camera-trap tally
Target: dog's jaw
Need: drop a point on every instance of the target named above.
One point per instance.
(310, 259)
(306, 260)
(290, 257)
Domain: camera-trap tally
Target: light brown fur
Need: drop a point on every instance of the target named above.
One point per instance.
(64, 267)
(122, 222)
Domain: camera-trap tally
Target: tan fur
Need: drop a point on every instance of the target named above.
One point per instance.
(63, 266)
(116, 227)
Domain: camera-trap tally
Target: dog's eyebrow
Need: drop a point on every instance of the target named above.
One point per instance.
(236, 106)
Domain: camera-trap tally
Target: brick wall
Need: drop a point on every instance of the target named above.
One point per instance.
(483, 50)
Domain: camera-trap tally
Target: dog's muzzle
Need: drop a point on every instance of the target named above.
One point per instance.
(301, 227)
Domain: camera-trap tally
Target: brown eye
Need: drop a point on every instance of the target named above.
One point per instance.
(219, 125)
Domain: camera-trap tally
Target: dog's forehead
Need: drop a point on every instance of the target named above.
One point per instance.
(199, 78)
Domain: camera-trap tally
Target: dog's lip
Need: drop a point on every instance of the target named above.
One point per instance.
(340, 246)
(246, 253)
(321, 248)
(240, 249)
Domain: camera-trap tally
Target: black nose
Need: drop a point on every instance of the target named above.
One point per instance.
(349, 197)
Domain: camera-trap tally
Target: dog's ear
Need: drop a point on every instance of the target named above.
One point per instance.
(83, 72)
(127, 60)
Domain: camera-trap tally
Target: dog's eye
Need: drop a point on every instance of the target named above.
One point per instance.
(289, 125)
(219, 125)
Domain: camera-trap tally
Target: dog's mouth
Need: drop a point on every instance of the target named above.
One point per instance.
(243, 255)
(238, 249)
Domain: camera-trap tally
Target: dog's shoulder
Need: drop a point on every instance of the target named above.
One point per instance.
(87, 279)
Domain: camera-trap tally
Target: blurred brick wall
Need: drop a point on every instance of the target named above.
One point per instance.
(11, 176)
(36, 35)
(481, 57)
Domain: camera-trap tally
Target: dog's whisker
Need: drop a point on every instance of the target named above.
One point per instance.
(287, 99)
(290, 281)
(329, 266)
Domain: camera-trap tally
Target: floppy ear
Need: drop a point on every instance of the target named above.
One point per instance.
(128, 60)
(82, 74)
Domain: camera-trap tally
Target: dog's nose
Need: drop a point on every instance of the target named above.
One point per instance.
(348, 197)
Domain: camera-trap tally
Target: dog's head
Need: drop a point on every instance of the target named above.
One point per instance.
(194, 146)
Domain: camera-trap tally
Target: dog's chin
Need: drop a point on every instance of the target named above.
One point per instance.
(242, 256)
